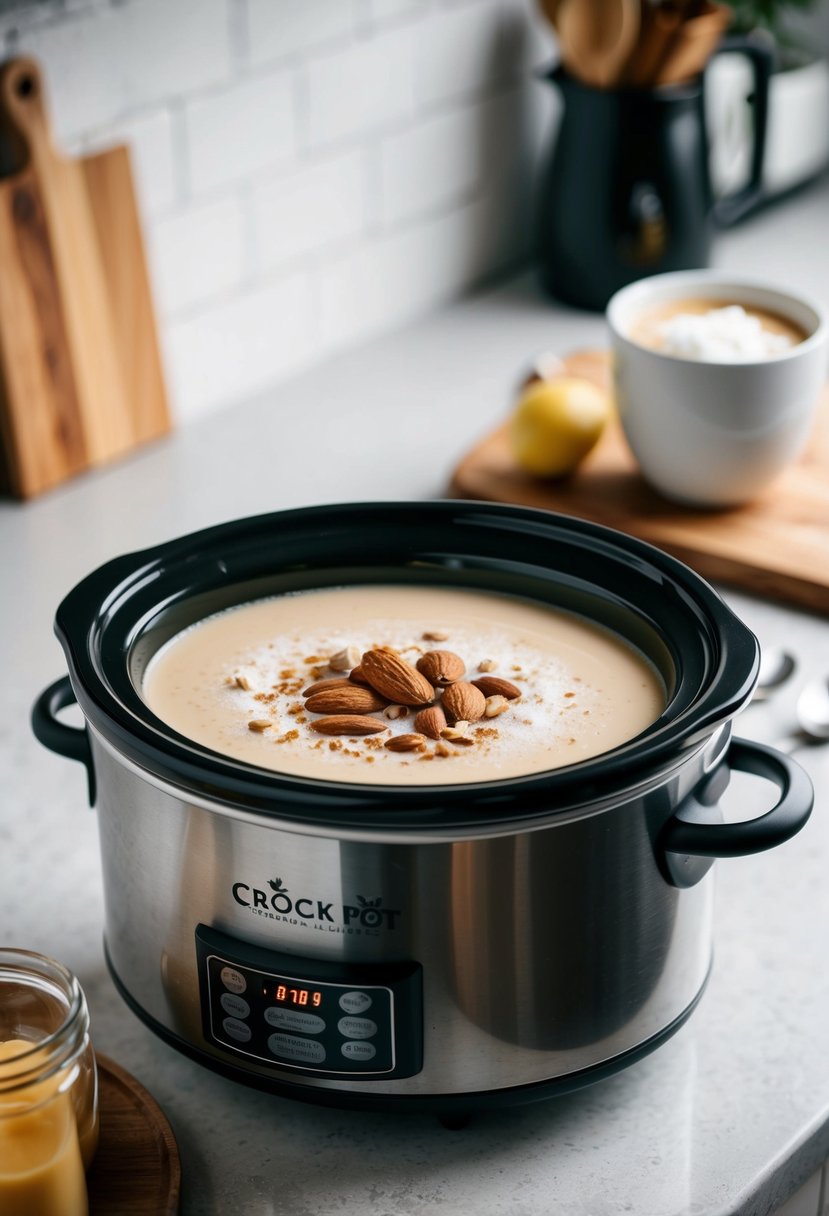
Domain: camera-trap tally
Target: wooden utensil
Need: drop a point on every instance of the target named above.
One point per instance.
(80, 371)
(596, 38)
(550, 10)
(693, 44)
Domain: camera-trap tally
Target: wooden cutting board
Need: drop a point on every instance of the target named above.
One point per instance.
(136, 1170)
(80, 372)
(777, 546)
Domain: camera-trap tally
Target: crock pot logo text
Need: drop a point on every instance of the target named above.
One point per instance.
(365, 916)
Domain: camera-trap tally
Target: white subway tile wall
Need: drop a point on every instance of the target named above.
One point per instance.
(311, 173)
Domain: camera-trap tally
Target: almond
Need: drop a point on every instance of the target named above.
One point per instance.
(430, 721)
(350, 699)
(464, 701)
(345, 659)
(405, 743)
(259, 724)
(457, 735)
(326, 685)
(494, 686)
(357, 676)
(347, 724)
(435, 635)
(242, 682)
(395, 679)
(441, 667)
(495, 706)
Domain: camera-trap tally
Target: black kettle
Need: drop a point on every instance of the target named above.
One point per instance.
(627, 191)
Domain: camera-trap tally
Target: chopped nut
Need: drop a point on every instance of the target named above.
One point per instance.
(396, 711)
(259, 724)
(443, 749)
(435, 635)
(487, 665)
(405, 743)
(495, 706)
(345, 659)
(242, 682)
(457, 734)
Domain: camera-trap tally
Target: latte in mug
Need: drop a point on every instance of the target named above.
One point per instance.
(712, 330)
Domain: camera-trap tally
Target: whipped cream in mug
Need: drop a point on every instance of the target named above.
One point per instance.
(711, 331)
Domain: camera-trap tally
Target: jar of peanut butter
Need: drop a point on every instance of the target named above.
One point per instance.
(48, 1088)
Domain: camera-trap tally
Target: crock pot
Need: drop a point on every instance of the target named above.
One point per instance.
(434, 948)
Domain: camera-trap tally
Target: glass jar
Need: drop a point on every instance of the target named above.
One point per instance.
(48, 1088)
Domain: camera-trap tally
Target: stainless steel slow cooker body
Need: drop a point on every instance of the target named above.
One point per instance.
(442, 947)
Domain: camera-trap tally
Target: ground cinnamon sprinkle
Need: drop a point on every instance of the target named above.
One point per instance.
(287, 674)
(334, 745)
(288, 737)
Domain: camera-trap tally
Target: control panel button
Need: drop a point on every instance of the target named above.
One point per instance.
(355, 1002)
(359, 1051)
(292, 1019)
(357, 1028)
(233, 980)
(234, 1029)
(235, 1005)
(291, 1047)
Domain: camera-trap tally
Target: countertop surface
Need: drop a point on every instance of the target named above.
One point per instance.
(732, 1115)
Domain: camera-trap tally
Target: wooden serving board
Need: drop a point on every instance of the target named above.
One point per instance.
(136, 1170)
(80, 372)
(776, 546)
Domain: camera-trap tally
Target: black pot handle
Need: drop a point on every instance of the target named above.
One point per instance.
(734, 207)
(694, 830)
(69, 741)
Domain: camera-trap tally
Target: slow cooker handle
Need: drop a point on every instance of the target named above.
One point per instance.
(69, 741)
(692, 832)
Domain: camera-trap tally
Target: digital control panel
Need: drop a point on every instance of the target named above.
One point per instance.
(313, 1017)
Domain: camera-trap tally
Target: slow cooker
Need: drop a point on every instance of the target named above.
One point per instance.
(433, 948)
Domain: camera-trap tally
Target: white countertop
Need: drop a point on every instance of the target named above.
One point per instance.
(729, 1117)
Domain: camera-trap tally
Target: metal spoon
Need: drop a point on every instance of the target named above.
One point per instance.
(813, 711)
(776, 666)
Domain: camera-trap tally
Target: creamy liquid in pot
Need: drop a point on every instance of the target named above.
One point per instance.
(583, 690)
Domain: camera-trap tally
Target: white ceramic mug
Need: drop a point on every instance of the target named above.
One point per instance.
(715, 434)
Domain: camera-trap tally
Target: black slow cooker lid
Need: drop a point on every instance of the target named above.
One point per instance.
(113, 621)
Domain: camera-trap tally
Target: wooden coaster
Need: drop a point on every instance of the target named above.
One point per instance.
(136, 1170)
(776, 546)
